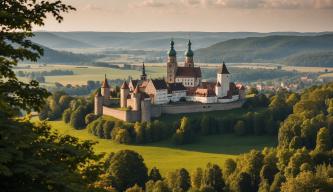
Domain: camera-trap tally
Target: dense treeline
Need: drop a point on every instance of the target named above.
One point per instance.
(84, 90)
(128, 133)
(40, 75)
(55, 72)
(311, 59)
(71, 110)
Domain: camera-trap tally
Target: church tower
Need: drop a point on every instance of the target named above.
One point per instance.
(105, 89)
(189, 55)
(172, 64)
(143, 75)
(223, 77)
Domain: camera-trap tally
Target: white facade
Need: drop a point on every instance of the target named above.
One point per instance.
(161, 97)
(224, 80)
(188, 81)
(175, 96)
(202, 99)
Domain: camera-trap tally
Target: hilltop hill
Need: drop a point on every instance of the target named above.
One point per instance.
(54, 56)
(292, 50)
(57, 42)
(143, 40)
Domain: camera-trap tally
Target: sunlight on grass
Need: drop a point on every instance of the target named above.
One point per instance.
(167, 157)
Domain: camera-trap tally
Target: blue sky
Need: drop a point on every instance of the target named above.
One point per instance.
(196, 15)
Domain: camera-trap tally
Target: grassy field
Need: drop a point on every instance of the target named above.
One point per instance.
(83, 74)
(167, 157)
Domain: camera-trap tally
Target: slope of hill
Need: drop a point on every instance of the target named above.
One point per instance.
(266, 49)
(154, 40)
(54, 56)
(318, 59)
(57, 42)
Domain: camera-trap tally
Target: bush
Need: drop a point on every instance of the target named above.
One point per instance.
(239, 128)
(66, 116)
(89, 118)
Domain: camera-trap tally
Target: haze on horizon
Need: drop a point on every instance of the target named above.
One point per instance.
(196, 15)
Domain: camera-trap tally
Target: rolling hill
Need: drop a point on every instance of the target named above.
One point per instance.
(54, 56)
(286, 49)
(57, 42)
(143, 40)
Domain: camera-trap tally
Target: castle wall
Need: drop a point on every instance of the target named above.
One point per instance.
(129, 116)
(156, 111)
(198, 107)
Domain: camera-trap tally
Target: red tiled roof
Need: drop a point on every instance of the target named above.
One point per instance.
(188, 72)
(205, 92)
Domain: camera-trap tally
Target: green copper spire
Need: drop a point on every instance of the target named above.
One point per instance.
(189, 52)
(172, 52)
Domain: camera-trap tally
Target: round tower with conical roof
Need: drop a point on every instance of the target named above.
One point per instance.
(98, 103)
(189, 55)
(136, 95)
(105, 91)
(172, 63)
(124, 92)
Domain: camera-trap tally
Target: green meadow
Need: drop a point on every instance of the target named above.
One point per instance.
(167, 156)
(84, 73)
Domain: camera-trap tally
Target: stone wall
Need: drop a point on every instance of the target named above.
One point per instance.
(129, 116)
(199, 107)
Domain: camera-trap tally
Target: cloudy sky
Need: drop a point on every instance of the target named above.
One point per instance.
(197, 15)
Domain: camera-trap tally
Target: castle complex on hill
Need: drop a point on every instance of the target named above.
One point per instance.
(182, 91)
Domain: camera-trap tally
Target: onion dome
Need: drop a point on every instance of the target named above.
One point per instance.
(124, 85)
(189, 52)
(172, 52)
(105, 83)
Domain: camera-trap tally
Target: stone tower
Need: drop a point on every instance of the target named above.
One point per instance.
(98, 102)
(105, 89)
(124, 92)
(143, 75)
(146, 110)
(171, 64)
(223, 77)
(136, 96)
(189, 55)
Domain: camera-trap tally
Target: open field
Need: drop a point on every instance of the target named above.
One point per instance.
(84, 73)
(167, 157)
(287, 68)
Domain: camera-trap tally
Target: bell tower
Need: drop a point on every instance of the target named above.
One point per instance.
(171, 64)
(189, 55)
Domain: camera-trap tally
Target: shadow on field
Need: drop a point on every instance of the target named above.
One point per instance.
(223, 144)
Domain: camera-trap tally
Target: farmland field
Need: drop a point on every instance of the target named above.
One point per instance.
(84, 73)
(166, 156)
